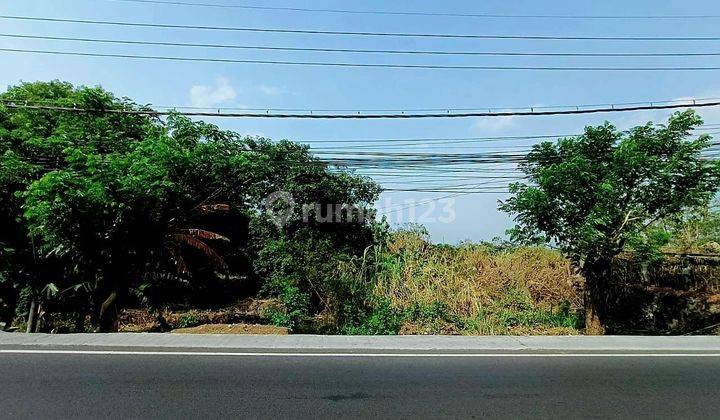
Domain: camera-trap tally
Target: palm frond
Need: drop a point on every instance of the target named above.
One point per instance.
(205, 249)
(205, 234)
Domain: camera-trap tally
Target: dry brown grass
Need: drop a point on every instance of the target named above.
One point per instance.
(247, 311)
(469, 279)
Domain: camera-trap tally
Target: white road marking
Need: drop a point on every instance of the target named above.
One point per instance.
(285, 354)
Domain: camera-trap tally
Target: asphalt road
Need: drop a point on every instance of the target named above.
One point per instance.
(194, 386)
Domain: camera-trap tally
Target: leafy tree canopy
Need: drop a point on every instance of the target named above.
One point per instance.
(124, 202)
(595, 194)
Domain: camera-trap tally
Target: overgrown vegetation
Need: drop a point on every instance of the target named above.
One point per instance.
(410, 285)
(102, 209)
(606, 191)
(105, 210)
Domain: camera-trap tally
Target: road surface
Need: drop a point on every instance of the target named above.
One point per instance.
(46, 383)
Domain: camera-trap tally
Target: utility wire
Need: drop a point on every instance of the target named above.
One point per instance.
(502, 175)
(490, 108)
(690, 104)
(499, 183)
(366, 65)
(362, 51)
(426, 179)
(420, 190)
(406, 13)
(363, 33)
(443, 145)
(401, 207)
(441, 171)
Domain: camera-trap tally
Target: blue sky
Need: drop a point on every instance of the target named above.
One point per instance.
(264, 86)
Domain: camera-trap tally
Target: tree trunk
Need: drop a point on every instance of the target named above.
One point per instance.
(595, 300)
(80, 322)
(108, 314)
(32, 316)
(594, 324)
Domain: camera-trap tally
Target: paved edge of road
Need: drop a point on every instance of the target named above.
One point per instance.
(350, 344)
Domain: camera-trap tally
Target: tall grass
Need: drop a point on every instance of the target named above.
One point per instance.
(470, 288)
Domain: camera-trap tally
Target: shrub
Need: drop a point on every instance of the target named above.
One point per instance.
(187, 320)
(383, 320)
(292, 308)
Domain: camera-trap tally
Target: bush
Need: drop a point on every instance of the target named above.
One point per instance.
(292, 308)
(187, 320)
(383, 320)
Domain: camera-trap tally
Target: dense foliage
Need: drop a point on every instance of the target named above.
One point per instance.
(102, 208)
(599, 193)
(106, 209)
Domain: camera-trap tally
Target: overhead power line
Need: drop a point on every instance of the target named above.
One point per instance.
(361, 51)
(436, 146)
(447, 182)
(363, 33)
(489, 108)
(433, 141)
(440, 190)
(709, 127)
(358, 65)
(479, 143)
(496, 183)
(423, 178)
(396, 208)
(401, 207)
(499, 154)
(689, 104)
(409, 13)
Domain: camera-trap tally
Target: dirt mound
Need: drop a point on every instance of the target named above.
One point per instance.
(233, 329)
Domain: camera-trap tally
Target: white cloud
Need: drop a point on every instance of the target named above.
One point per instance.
(270, 90)
(493, 123)
(210, 96)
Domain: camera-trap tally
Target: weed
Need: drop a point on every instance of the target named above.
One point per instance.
(190, 319)
(384, 320)
(292, 310)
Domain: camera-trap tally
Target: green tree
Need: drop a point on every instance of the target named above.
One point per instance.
(297, 259)
(698, 230)
(36, 142)
(125, 219)
(598, 193)
(115, 205)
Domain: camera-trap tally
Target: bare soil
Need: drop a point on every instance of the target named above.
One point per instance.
(246, 312)
(233, 329)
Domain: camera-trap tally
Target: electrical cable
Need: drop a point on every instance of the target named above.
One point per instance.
(359, 65)
(406, 13)
(355, 50)
(361, 33)
(689, 104)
